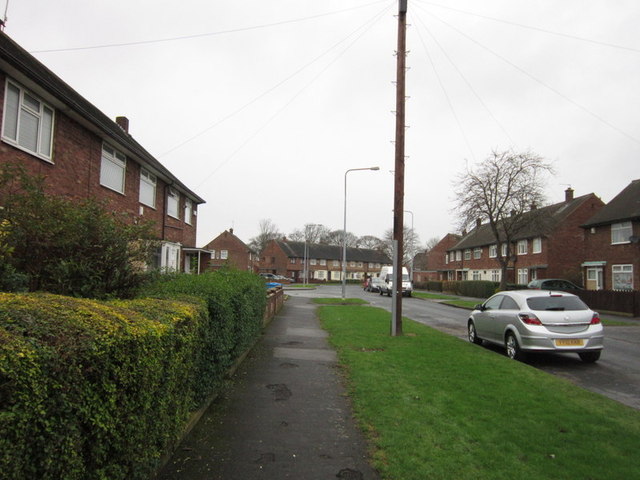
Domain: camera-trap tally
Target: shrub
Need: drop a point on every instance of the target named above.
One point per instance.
(94, 390)
(62, 246)
(471, 288)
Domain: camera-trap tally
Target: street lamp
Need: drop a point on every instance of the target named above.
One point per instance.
(344, 230)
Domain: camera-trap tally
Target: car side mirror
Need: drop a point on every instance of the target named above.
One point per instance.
(479, 307)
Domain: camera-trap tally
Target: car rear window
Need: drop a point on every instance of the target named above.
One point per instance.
(556, 302)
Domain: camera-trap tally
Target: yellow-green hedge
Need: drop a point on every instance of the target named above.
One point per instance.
(95, 390)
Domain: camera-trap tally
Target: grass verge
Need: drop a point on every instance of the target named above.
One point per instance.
(340, 301)
(434, 406)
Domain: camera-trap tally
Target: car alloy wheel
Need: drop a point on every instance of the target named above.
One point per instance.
(473, 336)
(513, 349)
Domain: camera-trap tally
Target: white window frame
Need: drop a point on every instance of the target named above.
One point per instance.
(493, 251)
(148, 184)
(173, 203)
(117, 162)
(476, 275)
(458, 255)
(446, 258)
(336, 263)
(224, 254)
(523, 276)
(496, 275)
(620, 233)
(467, 254)
(477, 253)
(313, 261)
(323, 262)
(188, 211)
(15, 129)
(536, 246)
(522, 247)
(626, 271)
(504, 250)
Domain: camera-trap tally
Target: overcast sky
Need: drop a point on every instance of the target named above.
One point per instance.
(261, 106)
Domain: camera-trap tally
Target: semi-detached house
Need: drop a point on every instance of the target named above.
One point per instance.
(53, 132)
(551, 246)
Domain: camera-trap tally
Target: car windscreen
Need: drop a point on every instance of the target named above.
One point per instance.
(556, 302)
(405, 277)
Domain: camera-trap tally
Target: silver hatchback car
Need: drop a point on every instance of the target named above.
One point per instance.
(538, 321)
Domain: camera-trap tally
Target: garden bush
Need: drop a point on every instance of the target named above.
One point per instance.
(471, 288)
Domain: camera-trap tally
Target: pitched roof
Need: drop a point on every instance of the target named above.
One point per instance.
(624, 206)
(539, 222)
(332, 252)
(18, 63)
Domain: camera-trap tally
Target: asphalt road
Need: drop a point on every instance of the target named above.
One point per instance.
(616, 375)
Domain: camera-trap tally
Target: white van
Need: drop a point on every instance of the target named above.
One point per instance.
(386, 274)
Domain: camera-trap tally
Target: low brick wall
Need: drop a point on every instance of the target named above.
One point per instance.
(275, 301)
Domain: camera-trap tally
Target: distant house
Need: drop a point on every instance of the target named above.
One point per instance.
(53, 132)
(552, 245)
(432, 264)
(228, 250)
(286, 258)
(612, 236)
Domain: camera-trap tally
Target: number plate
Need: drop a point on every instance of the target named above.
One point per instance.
(569, 342)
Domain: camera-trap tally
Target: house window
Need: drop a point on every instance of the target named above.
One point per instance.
(173, 199)
(467, 254)
(292, 260)
(446, 258)
(312, 261)
(323, 262)
(620, 232)
(352, 264)
(370, 265)
(188, 210)
(336, 263)
(112, 169)
(536, 245)
(622, 278)
(377, 265)
(523, 276)
(148, 188)
(477, 253)
(458, 255)
(224, 254)
(360, 264)
(493, 251)
(504, 250)
(27, 122)
(475, 275)
(320, 275)
(213, 254)
(495, 275)
(522, 247)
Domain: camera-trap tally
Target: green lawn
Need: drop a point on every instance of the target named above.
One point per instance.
(339, 301)
(436, 407)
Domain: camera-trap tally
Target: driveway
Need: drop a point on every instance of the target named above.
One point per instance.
(616, 375)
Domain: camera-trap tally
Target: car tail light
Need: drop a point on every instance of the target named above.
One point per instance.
(529, 319)
(595, 320)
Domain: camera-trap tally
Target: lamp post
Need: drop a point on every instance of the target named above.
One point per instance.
(344, 230)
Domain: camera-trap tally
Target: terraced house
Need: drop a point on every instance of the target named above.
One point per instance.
(53, 132)
(551, 246)
(324, 262)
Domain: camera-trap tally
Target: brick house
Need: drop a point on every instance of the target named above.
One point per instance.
(612, 235)
(228, 250)
(286, 258)
(551, 246)
(431, 265)
(53, 132)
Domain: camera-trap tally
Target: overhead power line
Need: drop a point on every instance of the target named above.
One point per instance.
(208, 34)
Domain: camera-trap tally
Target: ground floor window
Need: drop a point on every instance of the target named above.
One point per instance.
(475, 275)
(495, 275)
(523, 276)
(622, 277)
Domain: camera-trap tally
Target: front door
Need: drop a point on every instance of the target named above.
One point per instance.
(595, 278)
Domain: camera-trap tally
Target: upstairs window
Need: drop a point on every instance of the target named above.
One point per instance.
(27, 122)
(458, 255)
(173, 200)
(188, 210)
(467, 254)
(536, 245)
(224, 254)
(620, 232)
(112, 169)
(148, 183)
(522, 247)
(493, 251)
(477, 253)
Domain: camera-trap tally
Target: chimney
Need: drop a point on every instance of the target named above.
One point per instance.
(568, 194)
(123, 123)
(478, 222)
(231, 231)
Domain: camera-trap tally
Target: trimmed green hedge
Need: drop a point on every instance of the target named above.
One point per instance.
(471, 288)
(100, 390)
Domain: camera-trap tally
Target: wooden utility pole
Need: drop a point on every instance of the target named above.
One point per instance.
(398, 202)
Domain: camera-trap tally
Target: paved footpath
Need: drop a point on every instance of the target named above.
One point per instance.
(286, 416)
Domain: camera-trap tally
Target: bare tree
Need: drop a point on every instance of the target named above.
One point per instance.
(432, 242)
(500, 191)
(411, 244)
(268, 231)
(371, 242)
(334, 237)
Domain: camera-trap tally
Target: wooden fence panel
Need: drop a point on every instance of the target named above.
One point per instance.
(610, 300)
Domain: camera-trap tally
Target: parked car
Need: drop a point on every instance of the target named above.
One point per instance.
(375, 284)
(553, 284)
(386, 275)
(269, 276)
(538, 321)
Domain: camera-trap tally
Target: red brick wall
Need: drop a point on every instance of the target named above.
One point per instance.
(75, 173)
(238, 253)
